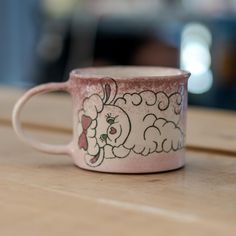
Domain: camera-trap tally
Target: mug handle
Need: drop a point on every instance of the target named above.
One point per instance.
(41, 89)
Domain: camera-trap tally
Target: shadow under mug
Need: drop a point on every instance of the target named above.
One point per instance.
(125, 119)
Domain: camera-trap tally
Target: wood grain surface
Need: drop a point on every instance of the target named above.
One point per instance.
(44, 194)
(47, 195)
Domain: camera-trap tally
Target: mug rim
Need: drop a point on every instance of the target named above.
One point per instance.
(103, 72)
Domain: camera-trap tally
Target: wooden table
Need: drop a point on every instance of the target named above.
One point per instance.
(47, 195)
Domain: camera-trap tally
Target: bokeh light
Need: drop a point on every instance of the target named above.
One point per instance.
(195, 56)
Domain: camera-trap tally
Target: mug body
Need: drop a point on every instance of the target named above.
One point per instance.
(129, 119)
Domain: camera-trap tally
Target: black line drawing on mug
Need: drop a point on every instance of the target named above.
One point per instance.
(112, 127)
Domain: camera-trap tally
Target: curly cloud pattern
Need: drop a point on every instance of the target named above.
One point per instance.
(150, 132)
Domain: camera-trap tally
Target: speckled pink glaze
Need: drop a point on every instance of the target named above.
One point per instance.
(125, 119)
(82, 85)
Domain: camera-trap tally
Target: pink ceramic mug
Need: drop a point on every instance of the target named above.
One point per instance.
(125, 119)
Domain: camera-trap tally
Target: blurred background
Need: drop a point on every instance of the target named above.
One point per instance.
(42, 40)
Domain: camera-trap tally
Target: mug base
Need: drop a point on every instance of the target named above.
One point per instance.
(132, 173)
(138, 165)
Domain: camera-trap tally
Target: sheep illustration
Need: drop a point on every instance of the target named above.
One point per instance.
(111, 127)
